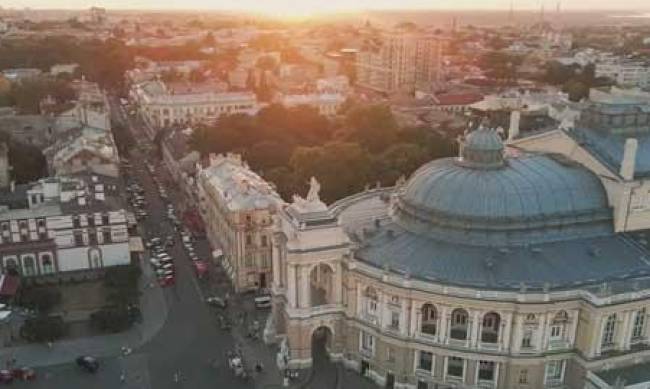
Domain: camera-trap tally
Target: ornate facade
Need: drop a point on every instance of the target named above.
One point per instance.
(496, 269)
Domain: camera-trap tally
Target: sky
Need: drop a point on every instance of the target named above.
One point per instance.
(318, 6)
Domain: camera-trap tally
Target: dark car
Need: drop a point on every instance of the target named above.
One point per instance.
(88, 363)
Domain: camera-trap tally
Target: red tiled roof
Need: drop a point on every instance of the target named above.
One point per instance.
(458, 99)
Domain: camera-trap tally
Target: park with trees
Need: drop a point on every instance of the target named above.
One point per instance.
(365, 146)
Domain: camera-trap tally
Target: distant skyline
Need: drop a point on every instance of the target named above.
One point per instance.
(306, 7)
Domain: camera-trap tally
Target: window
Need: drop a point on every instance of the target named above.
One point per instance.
(429, 320)
(265, 241)
(105, 220)
(78, 238)
(76, 223)
(92, 237)
(523, 376)
(249, 260)
(91, 220)
(608, 331)
(367, 342)
(249, 240)
(455, 367)
(40, 223)
(29, 266)
(422, 385)
(554, 371)
(390, 354)
(394, 320)
(486, 370)
(46, 264)
(106, 235)
(526, 340)
(638, 330)
(556, 332)
(371, 301)
(425, 362)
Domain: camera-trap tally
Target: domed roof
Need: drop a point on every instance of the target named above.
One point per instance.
(482, 148)
(517, 202)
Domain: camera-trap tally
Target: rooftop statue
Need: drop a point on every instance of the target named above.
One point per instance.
(314, 189)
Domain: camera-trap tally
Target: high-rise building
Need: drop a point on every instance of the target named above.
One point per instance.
(400, 62)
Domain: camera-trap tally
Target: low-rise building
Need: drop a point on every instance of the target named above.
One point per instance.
(237, 207)
(162, 107)
(63, 224)
(625, 72)
(327, 104)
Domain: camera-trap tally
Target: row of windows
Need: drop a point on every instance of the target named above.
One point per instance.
(92, 237)
(611, 324)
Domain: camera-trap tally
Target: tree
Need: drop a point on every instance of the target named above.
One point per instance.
(112, 319)
(500, 66)
(122, 282)
(342, 168)
(41, 299)
(264, 92)
(374, 127)
(576, 89)
(42, 329)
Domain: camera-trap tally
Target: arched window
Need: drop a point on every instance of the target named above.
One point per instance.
(11, 266)
(429, 324)
(609, 330)
(558, 326)
(29, 266)
(459, 324)
(370, 296)
(490, 328)
(47, 264)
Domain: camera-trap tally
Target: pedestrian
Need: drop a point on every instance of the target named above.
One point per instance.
(123, 377)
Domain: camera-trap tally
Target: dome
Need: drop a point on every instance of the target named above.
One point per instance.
(523, 200)
(482, 148)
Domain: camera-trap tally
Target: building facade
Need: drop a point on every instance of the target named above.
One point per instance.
(237, 207)
(162, 108)
(400, 62)
(496, 269)
(63, 224)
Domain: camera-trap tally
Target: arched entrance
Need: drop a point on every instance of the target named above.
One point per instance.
(321, 344)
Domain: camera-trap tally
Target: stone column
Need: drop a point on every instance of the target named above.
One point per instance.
(275, 258)
(597, 341)
(476, 327)
(416, 316)
(292, 286)
(573, 328)
(445, 319)
(337, 284)
(625, 334)
(305, 288)
(359, 307)
(506, 336)
(545, 330)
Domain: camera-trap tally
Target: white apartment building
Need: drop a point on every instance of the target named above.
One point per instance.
(237, 207)
(625, 73)
(162, 107)
(63, 224)
(400, 62)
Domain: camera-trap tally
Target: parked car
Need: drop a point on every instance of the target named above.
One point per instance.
(263, 300)
(24, 373)
(216, 302)
(167, 281)
(88, 363)
(6, 377)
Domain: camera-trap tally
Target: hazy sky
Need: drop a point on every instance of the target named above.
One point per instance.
(306, 6)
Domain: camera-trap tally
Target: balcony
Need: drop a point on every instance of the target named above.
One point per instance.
(486, 384)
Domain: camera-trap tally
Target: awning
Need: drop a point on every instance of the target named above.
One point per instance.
(135, 244)
(9, 285)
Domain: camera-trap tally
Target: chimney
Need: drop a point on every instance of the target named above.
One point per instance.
(629, 159)
(513, 131)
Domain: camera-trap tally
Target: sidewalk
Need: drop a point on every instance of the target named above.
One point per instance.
(154, 314)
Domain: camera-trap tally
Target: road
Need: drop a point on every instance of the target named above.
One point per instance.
(189, 350)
